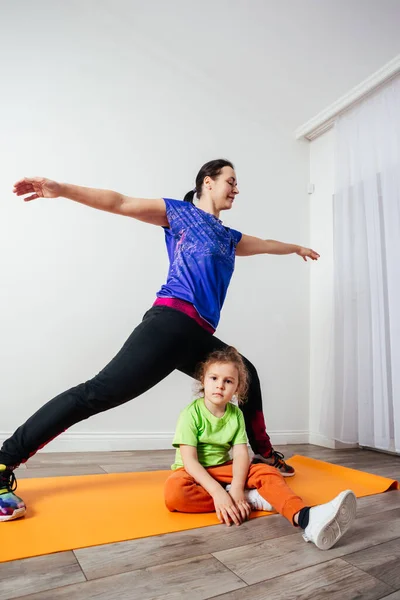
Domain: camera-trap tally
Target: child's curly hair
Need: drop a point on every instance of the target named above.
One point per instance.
(229, 355)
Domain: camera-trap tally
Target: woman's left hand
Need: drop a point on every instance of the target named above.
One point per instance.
(243, 506)
(307, 253)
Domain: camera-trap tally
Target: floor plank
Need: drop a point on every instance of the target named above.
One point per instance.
(382, 562)
(61, 471)
(36, 575)
(370, 505)
(394, 596)
(331, 580)
(204, 576)
(139, 458)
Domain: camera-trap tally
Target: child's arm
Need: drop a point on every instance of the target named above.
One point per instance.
(224, 504)
(241, 464)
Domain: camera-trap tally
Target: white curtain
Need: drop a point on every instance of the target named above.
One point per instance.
(364, 403)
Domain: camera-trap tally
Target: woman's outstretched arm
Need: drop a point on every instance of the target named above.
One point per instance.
(249, 246)
(149, 211)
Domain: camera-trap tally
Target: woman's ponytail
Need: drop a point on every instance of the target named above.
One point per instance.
(190, 196)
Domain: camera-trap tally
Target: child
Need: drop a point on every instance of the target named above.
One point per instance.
(205, 479)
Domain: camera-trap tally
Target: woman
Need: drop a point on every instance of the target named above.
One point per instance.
(177, 331)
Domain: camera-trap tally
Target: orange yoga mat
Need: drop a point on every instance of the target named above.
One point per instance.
(66, 513)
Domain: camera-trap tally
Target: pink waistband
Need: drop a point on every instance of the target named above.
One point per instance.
(187, 308)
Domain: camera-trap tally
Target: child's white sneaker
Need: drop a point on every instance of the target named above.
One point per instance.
(256, 501)
(328, 522)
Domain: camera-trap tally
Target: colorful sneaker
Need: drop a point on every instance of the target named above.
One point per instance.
(11, 506)
(328, 522)
(256, 501)
(275, 459)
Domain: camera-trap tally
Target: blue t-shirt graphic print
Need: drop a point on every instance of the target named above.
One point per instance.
(201, 254)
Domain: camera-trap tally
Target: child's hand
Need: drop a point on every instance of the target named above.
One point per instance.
(226, 508)
(237, 494)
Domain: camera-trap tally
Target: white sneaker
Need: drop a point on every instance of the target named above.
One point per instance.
(256, 501)
(328, 522)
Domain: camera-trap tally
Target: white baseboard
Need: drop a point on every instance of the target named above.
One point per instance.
(114, 441)
(321, 440)
(104, 441)
(282, 438)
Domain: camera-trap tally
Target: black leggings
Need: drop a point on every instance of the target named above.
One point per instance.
(165, 340)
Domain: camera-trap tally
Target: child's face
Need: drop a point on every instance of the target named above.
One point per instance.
(221, 381)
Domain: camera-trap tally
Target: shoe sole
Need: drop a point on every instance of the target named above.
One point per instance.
(339, 524)
(17, 514)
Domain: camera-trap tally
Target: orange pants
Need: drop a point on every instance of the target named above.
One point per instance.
(183, 494)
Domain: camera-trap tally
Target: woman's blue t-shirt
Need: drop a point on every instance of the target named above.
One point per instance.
(201, 253)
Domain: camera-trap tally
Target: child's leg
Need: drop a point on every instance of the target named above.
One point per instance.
(273, 487)
(323, 525)
(183, 494)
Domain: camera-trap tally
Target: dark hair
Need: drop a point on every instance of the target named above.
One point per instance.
(211, 169)
(228, 355)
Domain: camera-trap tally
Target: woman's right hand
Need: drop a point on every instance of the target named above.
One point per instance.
(226, 508)
(38, 187)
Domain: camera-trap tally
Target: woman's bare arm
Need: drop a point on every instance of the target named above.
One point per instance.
(150, 211)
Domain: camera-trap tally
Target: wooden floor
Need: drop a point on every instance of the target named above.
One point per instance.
(265, 558)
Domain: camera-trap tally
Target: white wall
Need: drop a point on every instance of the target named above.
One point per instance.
(321, 278)
(82, 101)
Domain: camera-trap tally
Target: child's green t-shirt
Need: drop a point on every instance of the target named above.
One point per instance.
(212, 436)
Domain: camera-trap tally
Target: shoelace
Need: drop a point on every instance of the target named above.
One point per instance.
(8, 481)
(278, 456)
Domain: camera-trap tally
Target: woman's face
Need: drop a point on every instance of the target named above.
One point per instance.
(223, 189)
